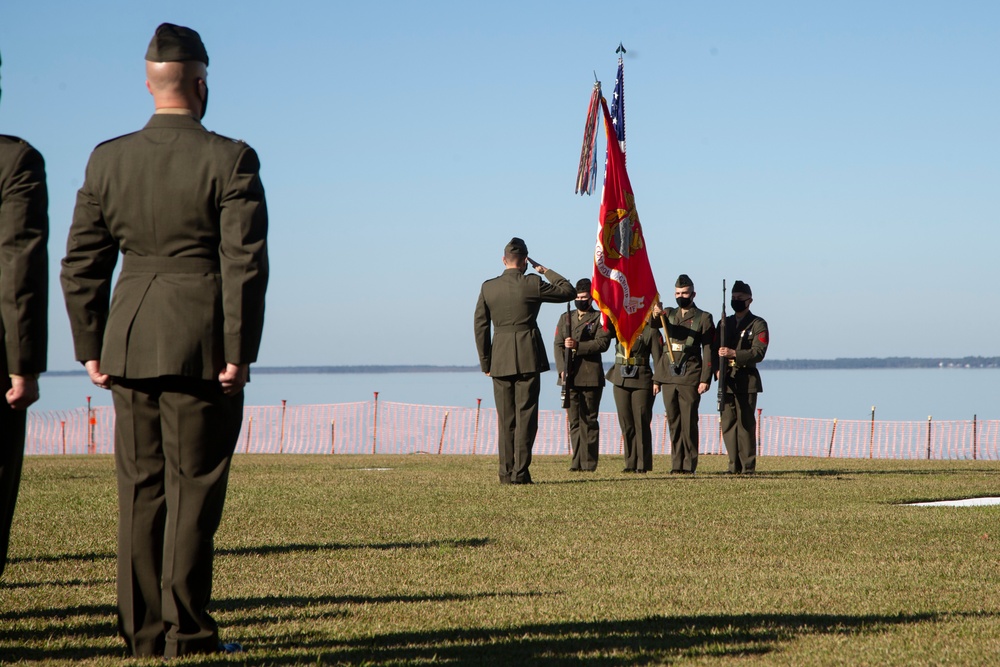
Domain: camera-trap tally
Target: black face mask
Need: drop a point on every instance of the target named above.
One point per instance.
(204, 102)
(739, 305)
(684, 301)
(583, 305)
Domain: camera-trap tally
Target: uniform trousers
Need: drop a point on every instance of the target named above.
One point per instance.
(635, 414)
(12, 429)
(584, 428)
(516, 398)
(174, 441)
(739, 431)
(681, 402)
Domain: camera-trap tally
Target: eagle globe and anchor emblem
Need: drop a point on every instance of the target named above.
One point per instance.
(621, 238)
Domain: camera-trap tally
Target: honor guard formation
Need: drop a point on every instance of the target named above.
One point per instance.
(676, 354)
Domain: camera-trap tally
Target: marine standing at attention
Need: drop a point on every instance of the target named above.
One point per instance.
(24, 299)
(632, 377)
(514, 355)
(682, 380)
(582, 333)
(744, 347)
(185, 209)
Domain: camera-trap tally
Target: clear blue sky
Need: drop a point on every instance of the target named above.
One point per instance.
(842, 158)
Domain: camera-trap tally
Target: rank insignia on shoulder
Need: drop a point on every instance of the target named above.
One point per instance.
(762, 337)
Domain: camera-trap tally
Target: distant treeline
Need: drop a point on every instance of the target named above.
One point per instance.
(874, 362)
(770, 364)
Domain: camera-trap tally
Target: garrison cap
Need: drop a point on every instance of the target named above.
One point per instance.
(683, 281)
(583, 285)
(740, 286)
(516, 247)
(175, 43)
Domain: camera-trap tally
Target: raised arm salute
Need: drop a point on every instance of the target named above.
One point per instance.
(513, 355)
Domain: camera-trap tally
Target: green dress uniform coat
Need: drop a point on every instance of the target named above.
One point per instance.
(24, 290)
(514, 356)
(749, 336)
(632, 378)
(690, 334)
(185, 209)
(587, 373)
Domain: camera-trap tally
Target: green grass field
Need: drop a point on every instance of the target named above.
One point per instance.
(410, 560)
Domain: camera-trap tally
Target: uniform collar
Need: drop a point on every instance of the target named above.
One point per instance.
(174, 120)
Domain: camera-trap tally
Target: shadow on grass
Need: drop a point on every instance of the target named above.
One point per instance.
(59, 558)
(277, 549)
(65, 633)
(860, 472)
(651, 640)
(243, 608)
(265, 549)
(60, 583)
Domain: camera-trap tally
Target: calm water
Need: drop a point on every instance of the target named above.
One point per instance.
(905, 394)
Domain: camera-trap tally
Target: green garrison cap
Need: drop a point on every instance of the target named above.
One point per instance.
(175, 43)
(516, 247)
(740, 286)
(683, 281)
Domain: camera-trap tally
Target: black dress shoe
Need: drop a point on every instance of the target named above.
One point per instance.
(628, 469)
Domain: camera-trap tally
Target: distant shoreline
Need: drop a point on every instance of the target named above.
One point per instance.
(890, 363)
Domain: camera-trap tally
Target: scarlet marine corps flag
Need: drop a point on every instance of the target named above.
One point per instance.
(623, 284)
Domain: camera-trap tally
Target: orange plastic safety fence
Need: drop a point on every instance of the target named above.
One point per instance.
(384, 427)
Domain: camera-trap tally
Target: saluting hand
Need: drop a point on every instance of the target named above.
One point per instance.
(537, 267)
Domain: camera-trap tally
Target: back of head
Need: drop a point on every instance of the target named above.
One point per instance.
(176, 68)
(515, 251)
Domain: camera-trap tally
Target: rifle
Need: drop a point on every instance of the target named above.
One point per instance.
(722, 343)
(567, 362)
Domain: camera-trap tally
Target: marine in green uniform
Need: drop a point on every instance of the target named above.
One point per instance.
(690, 333)
(24, 295)
(514, 355)
(634, 391)
(582, 333)
(185, 209)
(743, 347)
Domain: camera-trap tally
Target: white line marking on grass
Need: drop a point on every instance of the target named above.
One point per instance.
(967, 502)
(376, 469)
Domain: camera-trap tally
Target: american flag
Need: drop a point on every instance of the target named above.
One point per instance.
(618, 105)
